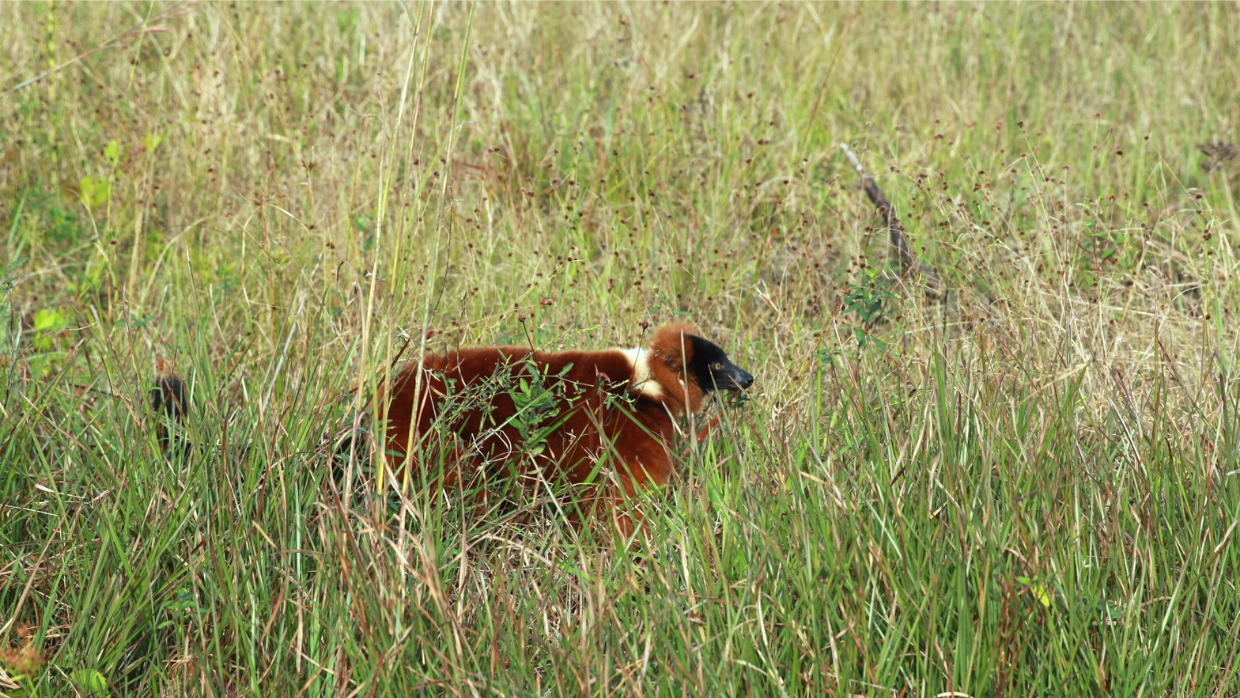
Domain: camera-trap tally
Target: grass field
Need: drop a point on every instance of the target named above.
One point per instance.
(1030, 487)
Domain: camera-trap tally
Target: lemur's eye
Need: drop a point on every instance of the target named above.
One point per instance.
(718, 366)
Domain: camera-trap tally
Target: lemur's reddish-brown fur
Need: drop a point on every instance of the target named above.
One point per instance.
(614, 408)
(618, 408)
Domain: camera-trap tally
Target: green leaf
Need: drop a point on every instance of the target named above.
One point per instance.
(95, 192)
(90, 682)
(49, 320)
(1039, 591)
(112, 152)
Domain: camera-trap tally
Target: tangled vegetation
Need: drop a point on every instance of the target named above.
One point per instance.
(1027, 483)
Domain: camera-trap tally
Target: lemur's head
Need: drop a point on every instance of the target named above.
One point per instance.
(688, 368)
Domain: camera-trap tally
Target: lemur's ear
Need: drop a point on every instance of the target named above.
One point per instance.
(671, 360)
(671, 344)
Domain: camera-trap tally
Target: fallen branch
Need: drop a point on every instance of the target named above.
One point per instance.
(901, 250)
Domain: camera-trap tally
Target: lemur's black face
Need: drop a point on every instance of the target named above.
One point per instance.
(712, 370)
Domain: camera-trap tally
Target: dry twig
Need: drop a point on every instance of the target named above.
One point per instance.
(901, 250)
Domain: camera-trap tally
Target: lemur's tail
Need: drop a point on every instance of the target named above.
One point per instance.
(170, 403)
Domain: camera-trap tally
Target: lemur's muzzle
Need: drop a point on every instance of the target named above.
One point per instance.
(732, 377)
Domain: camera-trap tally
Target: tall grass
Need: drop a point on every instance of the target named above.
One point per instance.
(1028, 488)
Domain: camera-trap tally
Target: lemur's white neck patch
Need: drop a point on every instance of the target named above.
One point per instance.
(642, 381)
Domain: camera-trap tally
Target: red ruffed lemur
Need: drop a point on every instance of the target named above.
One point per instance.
(569, 417)
(566, 417)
